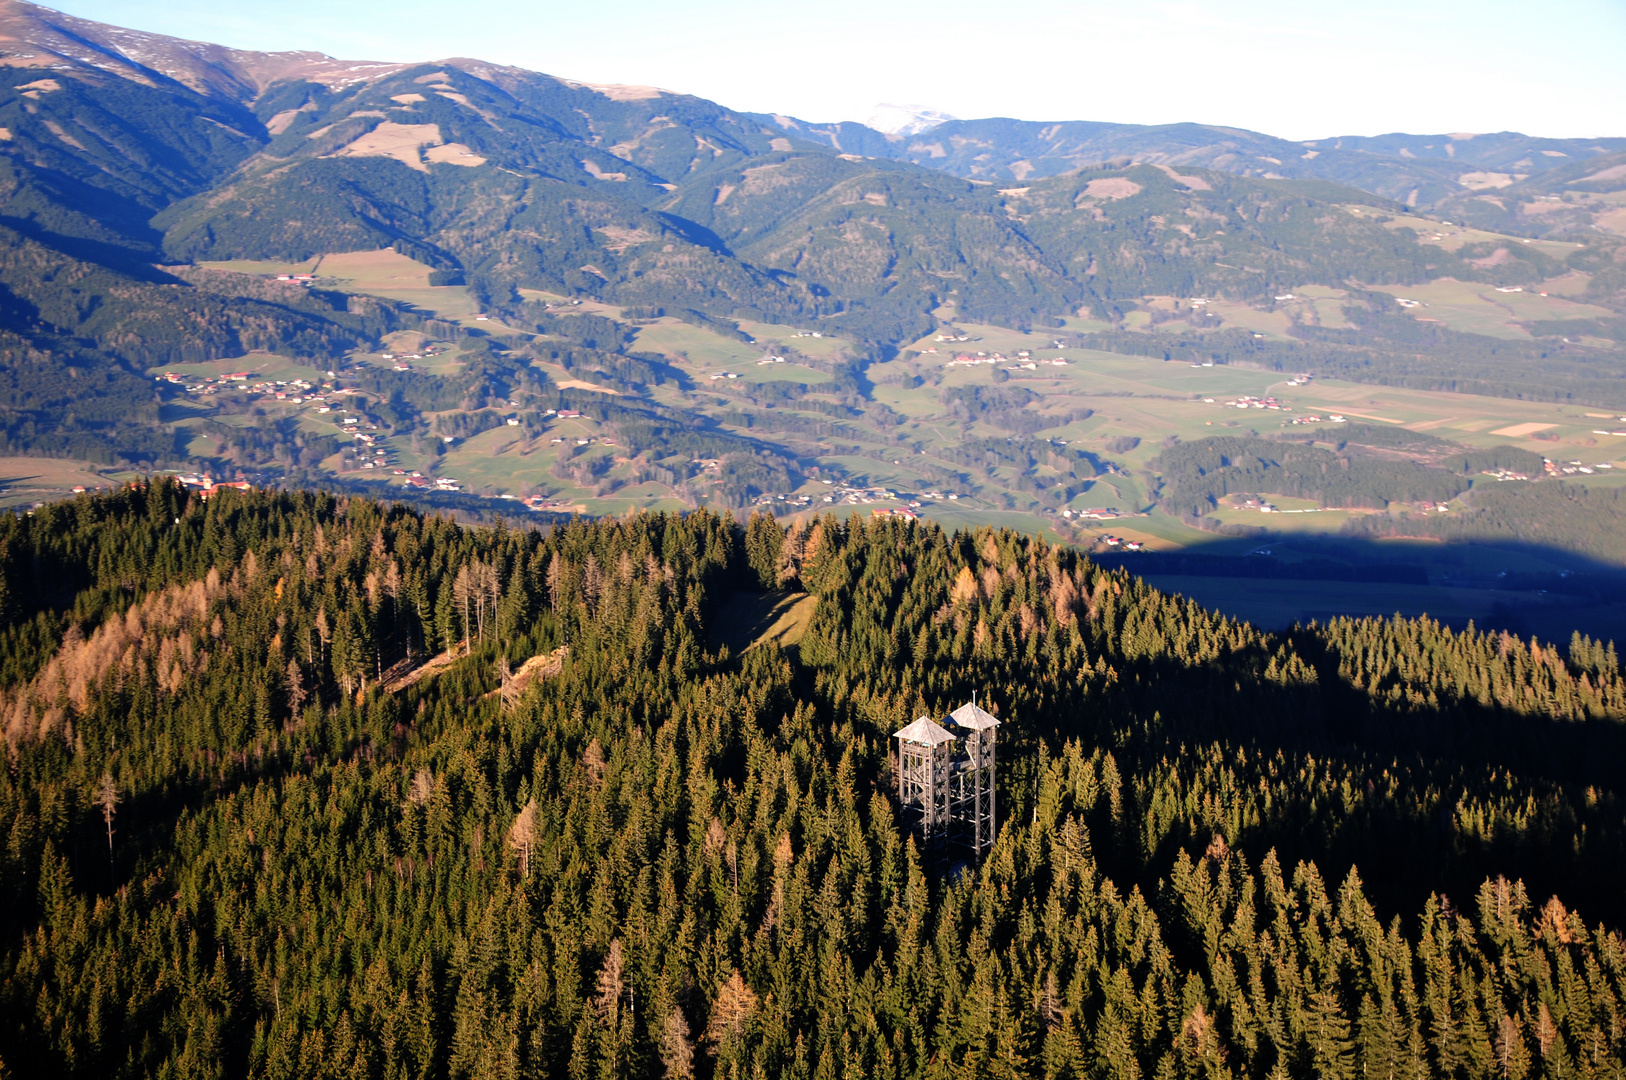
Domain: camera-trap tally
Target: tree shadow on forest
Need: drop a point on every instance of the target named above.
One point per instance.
(1397, 779)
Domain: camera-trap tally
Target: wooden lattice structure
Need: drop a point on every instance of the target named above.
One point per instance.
(925, 755)
(946, 779)
(971, 782)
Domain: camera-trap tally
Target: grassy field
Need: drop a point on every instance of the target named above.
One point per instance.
(27, 480)
(751, 619)
(500, 461)
(1451, 237)
(385, 273)
(694, 346)
(1476, 308)
(260, 365)
(982, 338)
(825, 347)
(1327, 304)
(701, 355)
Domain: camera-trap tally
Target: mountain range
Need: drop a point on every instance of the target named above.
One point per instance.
(128, 159)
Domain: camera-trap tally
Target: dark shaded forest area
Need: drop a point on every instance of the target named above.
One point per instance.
(242, 837)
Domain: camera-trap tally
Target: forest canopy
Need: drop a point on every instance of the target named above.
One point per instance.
(250, 830)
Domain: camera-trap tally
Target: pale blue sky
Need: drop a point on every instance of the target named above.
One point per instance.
(1300, 70)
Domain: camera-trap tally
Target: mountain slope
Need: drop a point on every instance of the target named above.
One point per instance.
(39, 38)
(697, 237)
(237, 846)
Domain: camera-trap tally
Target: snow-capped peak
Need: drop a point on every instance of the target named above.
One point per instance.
(905, 119)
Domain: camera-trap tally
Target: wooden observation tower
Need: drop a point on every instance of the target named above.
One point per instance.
(946, 778)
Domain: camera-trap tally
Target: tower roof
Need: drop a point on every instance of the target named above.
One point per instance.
(973, 717)
(926, 732)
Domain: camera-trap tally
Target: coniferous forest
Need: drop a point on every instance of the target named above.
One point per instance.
(246, 831)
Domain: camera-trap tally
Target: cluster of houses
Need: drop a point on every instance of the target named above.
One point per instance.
(207, 485)
(1248, 401)
(1316, 418)
(1573, 467)
(770, 360)
(538, 503)
(1097, 513)
(297, 279)
(1122, 544)
(858, 495)
(366, 441)
(421, 482)
(798, 501)
(854, 495)
(401, 360)
(1022, 361)
(545, 504)
(297, 391)
(380, 458)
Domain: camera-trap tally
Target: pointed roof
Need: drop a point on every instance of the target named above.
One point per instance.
(926, 732)
(973, 717)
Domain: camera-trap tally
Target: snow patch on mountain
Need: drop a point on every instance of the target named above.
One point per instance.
(905, 119)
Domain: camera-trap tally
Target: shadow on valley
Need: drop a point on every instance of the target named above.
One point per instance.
(1274, 584)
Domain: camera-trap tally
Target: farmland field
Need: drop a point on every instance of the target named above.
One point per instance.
(384, 273)
(1478, 308)
(26, 480)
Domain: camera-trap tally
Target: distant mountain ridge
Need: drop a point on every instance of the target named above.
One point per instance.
(1413, 169)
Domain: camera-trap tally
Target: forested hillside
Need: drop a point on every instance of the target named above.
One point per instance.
(243, 837)
(1196, 475)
